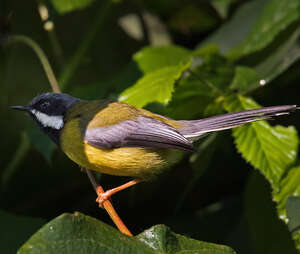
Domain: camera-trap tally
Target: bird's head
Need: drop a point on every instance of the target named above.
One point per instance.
(49, 111)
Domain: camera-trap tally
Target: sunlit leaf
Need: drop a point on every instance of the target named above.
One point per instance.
(269, 149)
(154, 58)
(157, 86)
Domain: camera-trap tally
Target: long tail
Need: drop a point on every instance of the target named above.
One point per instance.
(194, 129)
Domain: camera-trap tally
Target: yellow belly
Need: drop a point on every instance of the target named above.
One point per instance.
(124, 161)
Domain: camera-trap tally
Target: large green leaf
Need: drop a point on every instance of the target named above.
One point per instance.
(77, 233)
(153, 58)
(64, 6)
(270, 149)
(275, 17)
(15, 230)
(156, 86)
(164, 241)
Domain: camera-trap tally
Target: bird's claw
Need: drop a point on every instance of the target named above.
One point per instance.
(102, 197)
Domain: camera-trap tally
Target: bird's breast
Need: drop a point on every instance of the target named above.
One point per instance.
(124, 161)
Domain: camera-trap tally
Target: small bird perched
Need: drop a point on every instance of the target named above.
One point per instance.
(118, 139)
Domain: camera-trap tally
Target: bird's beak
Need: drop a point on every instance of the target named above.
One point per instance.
(21, 108)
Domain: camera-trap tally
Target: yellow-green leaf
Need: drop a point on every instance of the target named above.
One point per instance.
(269, 149)
(156, 86)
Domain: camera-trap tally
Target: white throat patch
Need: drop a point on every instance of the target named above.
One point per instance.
(55, 122)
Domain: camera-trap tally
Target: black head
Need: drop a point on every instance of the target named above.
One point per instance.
(49, 111)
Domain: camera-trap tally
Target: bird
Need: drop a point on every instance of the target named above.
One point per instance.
(119, 139)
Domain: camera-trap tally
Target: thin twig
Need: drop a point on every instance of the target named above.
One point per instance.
(41, 55)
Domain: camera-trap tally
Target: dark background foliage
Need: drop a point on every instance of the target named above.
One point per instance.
(226, 55)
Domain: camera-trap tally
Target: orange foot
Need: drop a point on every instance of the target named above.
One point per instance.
(102, 197)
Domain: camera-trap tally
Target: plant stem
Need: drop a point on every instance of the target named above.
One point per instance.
(41, 55)
(108, 206)
(74, 62)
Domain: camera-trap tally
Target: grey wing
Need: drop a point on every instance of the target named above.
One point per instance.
(140, 132)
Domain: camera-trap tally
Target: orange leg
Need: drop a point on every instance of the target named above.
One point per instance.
(102, 197)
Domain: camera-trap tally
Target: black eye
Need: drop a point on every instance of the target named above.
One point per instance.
(44, 105)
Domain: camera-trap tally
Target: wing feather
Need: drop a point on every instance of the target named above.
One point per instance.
(140, 132)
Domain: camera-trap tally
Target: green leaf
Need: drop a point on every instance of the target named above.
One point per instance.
(164, 241)
(150, 59)
(289, 186)
(15, 230)
(190, 98)
(64, 6)
(77, 233)
(209, 78)
(269, 149)
(244, 78)
(158, 85)
(275, 17)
